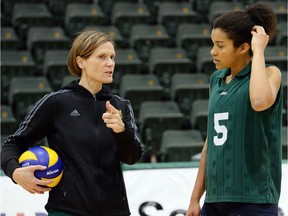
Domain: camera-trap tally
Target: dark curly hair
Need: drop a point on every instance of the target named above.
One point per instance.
(238, 24)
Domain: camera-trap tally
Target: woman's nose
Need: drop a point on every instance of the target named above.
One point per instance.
(212, 52)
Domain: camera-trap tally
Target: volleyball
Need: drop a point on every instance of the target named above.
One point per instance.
(45, 156)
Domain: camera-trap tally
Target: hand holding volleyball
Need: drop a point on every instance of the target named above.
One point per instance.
(44, 156)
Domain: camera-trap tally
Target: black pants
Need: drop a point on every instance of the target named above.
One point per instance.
(239, 209)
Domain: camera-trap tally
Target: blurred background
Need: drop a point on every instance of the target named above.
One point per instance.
(163, 62)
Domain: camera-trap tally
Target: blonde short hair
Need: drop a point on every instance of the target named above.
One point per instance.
(84, 45)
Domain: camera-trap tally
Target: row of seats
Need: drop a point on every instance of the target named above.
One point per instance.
(163, 62)
(161, 131)
(186, 89)
(124, 15)
(152, 11)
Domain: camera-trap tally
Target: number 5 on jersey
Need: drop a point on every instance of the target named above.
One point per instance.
(221, 130)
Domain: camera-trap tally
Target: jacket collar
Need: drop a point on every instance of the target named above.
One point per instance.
(103, 94)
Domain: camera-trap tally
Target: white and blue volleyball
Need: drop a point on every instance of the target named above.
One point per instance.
(45, 156)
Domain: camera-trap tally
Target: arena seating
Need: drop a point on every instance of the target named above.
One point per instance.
(163, 60)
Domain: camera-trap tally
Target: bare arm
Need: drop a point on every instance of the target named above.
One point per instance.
(264, 82)
(194, 208)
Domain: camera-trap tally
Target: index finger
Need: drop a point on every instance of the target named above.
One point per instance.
(110, 108)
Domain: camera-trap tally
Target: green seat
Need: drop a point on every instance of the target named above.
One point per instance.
(204, 61)
(191, 36)
(14, 64)
(217, 8)
(140, 87)
(172, 14)
(165, 62)
(279, 8)
(180, 145)
(55, 67)
(41, 39)
(143, 37)
(126, 14)
(154, 118)
(153, 6)
(7, 5)
(282, 36)
(58, 7)
(199, 116)
(9, 39)
(68, 78)
(186, 88)
(8, 121)
(80, 15)
(27, 15)
(107, 5)
(276, 55)
(26, 91)
(127, 61)
(113, 32)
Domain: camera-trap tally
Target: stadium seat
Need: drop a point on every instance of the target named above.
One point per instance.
(153, 6)
(282, 36)
(107, 5)
(204, 61)
(8, 122)
(191, 36)
(25, 91)
(165, 62)
(127, 61)
(27, 15)
(9, 39)
(58, 8)
(55, 67)
(80, 15)
(199, 116)
(154, 118)
(113, 32)
(180, 145)
(14, 64)
(41, 39)
(7, 7)
(186, 88)
(143, 37)
(217, 8)
(68, 78)
(277, 55)
(279, 8)
(172, 14)
(126, 14)
(140, 87)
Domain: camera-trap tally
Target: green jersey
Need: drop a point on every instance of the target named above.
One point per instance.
(244, 151)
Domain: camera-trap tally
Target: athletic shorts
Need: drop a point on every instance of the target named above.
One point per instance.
(52, 212)
(239, 209)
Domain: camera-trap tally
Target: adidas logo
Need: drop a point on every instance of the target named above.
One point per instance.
(74, 113)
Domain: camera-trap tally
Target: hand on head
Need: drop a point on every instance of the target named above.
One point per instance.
(259, 39)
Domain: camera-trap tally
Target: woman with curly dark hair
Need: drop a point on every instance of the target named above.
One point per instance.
(240, 166)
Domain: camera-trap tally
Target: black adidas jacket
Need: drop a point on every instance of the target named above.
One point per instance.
(71, 119)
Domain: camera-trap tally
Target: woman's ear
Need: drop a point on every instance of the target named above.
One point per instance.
(245, 47)
(79, 62)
